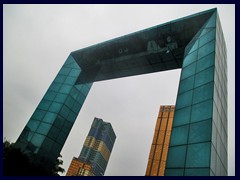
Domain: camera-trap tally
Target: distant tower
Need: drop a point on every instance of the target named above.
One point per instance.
(159, 149)
(96, 151)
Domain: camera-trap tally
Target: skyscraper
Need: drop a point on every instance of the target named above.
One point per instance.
(96, 151)
(198, 143)
(159, 149)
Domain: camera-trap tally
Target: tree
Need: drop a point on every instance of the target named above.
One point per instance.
(17, 163)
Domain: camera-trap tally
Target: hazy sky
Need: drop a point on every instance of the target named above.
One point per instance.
(37, 39)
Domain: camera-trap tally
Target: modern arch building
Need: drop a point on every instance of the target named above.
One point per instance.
(198, 143)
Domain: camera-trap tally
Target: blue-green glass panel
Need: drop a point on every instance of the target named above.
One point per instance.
(72, 116)
(206, 30)
(55, 87)
(60, 98)
(186, 84)
(49, 117)
(203, 93)
(55, 107)
(206, 49)
(197, 172)
(207, 37)
(212, 21)
(190, 58)
(64, 71)
(70, 80)
(43, 128)
(198, 155)
(47, 144)
(60, 78)
(205, 62)
(179, 135)
(64, 111)
(202, 111)
(194, 46)
(38, 114)
(188, 71)
(204, 77)
(50, 95)
(76, 108)
(81, 98)
(74, 72)
(62, 137)
(176, 157)
(67, 127)
(85, 90)
(74, 92)
(32, 125)
(37, 140)
(53, 133)
(70, 102)
(56, 150)
(59, 122)
(69, 60)
(184, 99)
(65, 89)
(200, 132)
(173, 172)
(44, 104)
(72, 65)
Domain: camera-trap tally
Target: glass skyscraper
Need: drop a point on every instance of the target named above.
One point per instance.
(198, 144)
(160, 144)
(96, 151)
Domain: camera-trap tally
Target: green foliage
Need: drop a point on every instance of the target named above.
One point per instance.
(15, 163)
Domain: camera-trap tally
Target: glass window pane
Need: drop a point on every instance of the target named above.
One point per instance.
(203, 93)
(37, 140)
(60, 79)
(85, 90)
(64, 111)
(186, 84)
(206, 49)
(207, 37)
(55, 87)
(59, 122)
(43, 128)
(179, 135)
(32, 125)
(65, 89)
(53, 133)
(62, 137)
(44, 104)
(182, 116)
(173, 172)
(38, 114)
(205, 62)
(190, 58)
(188, 71)
(60, 98)
(70, 80)
(184, 99)
(70, 102)
(55, 107)
(64, 71)
(176, 157)
(197, 172)
(47, 144)
(74, 72)
(204, 77)
(202, 111)
(71, 117)
(198, 155)
(200, 132)
(49, 117)
(50, 95)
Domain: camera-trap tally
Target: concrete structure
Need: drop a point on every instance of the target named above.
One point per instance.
(198, 144)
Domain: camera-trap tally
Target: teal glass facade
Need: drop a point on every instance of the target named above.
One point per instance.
(198, 144)
(195, 44)
(46, 132)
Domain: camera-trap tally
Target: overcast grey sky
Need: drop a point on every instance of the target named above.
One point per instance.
(37, 39)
